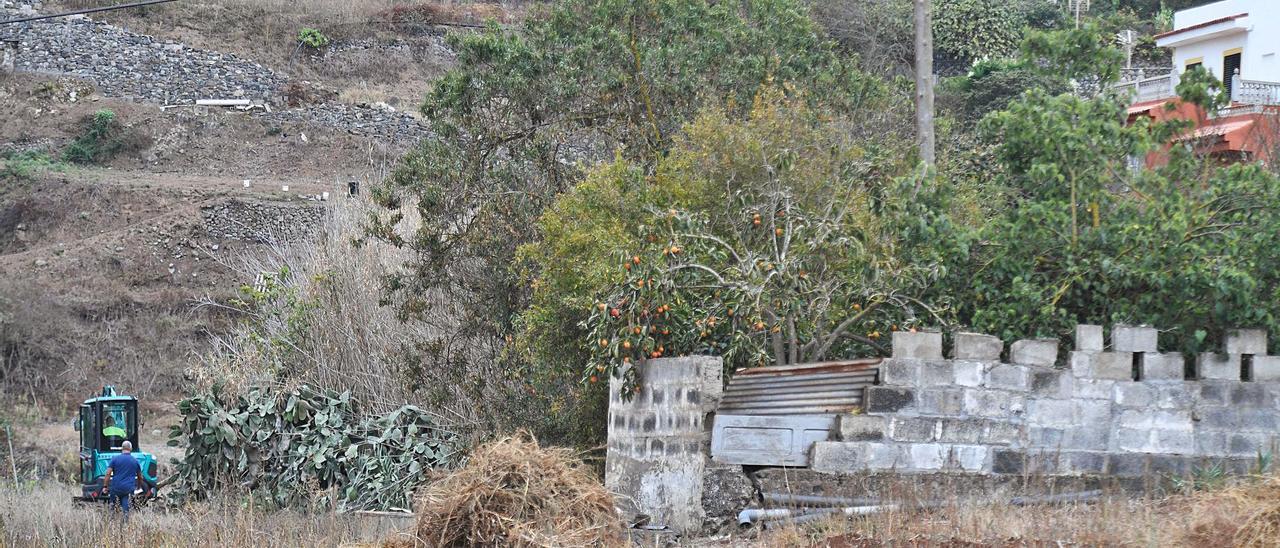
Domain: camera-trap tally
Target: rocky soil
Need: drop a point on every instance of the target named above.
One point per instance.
(123, 64)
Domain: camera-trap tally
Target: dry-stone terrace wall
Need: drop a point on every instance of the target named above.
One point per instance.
(135, 66)
(1128, 411)
(130, 65)
(267, 223)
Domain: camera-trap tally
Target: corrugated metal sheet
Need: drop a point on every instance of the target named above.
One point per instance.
(804, 389)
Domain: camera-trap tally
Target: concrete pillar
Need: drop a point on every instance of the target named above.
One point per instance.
(657, 437)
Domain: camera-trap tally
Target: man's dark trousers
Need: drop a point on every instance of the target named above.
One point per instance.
(121, 498)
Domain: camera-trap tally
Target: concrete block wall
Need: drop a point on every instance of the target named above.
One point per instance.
(1127, 410)
(659, 440)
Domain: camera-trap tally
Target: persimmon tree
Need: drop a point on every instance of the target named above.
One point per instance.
(777, 239)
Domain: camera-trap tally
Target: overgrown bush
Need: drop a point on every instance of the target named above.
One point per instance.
(102, 138)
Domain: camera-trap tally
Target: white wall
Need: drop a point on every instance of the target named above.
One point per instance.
(1260, 44)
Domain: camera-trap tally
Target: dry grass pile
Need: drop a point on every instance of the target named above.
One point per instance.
(513, 492)
(1244, 515)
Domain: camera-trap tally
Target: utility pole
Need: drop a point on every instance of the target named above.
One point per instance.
(924, 81)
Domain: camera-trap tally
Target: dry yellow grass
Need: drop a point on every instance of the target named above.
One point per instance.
(42, 514)
(1245, 514)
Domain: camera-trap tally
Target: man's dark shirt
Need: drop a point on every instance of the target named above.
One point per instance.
(125, 473)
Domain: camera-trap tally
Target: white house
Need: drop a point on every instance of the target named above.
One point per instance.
(1232, 39)
(1238, 41)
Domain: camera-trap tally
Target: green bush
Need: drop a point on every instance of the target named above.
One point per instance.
(102, 138)
(312, 38)
(19, 165)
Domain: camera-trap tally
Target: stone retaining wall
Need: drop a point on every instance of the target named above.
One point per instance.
(260, 222)
(1128, 411)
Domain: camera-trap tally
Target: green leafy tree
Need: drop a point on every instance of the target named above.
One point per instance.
(526, 109)
(1084, 238)
(974, 29)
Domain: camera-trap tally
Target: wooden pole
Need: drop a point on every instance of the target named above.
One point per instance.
(924, 81)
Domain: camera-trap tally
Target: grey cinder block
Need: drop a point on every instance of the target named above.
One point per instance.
(883, 399)
(1134, 394)
(977, 346)
(1089, 338)
(1034, 352)
(860, 427)
(913, 429)
(940, 401)
(835, 456)
(1050, 412)
(900, 372)
(1128, 338)
(1163, 367)
(937, 373)
(1009, 377)
(980, 402)
(962, 430)
(1266, 368)
(1116, 366)
(1246, 341)
(1082, 363)
(969, 458)
(969, 373)
(1225, 367)
(921, 345)
(927, 456)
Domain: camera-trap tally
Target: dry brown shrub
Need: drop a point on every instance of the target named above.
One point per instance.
(512, 492)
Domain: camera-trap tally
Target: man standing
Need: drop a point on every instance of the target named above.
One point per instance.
(127, 473)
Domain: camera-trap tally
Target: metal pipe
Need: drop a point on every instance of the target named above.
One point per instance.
(814, 501)
(1082, 496)
(849, 511)
(84, 11)
(803, 514)
(750, 516)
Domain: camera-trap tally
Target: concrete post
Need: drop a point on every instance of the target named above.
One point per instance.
(656, 458)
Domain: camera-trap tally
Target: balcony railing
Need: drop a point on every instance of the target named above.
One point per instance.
(1253, 92)
(1247, 96)
(1148, 88)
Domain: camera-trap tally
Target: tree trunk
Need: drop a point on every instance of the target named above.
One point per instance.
(924, 81)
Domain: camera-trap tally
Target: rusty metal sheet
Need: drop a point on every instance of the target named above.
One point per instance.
(767, 441)
(802, 389)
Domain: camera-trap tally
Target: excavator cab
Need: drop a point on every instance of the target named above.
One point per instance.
(105, 423)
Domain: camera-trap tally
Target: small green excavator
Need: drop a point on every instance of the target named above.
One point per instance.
(105, 423)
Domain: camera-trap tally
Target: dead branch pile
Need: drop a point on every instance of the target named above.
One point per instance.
(512, 492)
